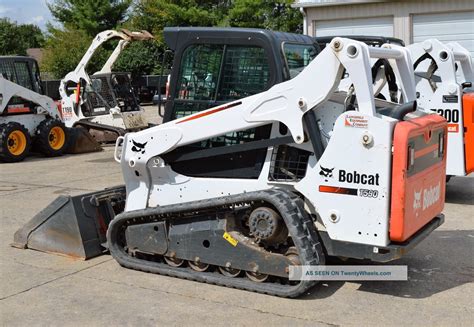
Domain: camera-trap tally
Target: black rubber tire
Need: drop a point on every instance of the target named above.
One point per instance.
(5, 130)
(42, 143)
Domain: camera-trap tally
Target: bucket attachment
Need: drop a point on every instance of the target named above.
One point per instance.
(74, 226)
(81, 141)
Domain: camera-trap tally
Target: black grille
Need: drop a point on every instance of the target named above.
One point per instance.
(183, 109)
(104, 91)
(51, 89)
(288, 164)
(245, 72)
(199, 72)
(8, 70)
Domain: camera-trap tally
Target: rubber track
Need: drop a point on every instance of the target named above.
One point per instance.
(300, 227)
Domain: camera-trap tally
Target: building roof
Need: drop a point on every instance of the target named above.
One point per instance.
(325, 3)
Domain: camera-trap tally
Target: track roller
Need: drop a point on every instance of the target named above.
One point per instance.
(198, 266)
(194, 223)
(256, 277)
(174, 262)
(229, 272)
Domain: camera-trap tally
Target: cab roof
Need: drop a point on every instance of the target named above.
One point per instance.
(173, 35)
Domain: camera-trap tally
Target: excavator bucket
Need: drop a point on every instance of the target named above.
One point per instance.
(73, 226)
(81, 141)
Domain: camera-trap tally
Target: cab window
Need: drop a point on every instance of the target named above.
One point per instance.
(298, 56)
(211, 75)
(199, 72)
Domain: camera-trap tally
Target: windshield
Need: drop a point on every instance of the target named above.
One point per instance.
(298, 56)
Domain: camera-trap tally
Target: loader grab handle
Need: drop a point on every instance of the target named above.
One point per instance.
(385, 53)
(118, 146)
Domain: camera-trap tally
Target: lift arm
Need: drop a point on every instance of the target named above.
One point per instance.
(286, 102)
(8, 90)
(80, 73)
(445, 57)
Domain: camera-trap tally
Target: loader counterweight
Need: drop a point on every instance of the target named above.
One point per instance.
(418, 174)
(468, 117)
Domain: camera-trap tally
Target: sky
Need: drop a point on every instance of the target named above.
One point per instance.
(26, 12)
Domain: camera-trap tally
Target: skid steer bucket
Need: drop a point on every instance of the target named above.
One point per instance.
(81, 141)
(141, 36)
(74, 226)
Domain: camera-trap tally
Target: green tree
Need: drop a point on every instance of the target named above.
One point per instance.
(154, 15)
(15, 39)
(139, 58)
(91, 16)
(82, 20)
(274, 15)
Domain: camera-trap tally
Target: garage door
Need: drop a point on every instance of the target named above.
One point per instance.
(380, 26)
(448, 27)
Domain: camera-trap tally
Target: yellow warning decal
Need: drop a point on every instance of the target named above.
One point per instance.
(230, 239)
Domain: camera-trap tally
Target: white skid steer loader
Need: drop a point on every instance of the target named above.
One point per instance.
(103, 103)
(20, 125)
(31, 120)
(367, 183)
(443, 77)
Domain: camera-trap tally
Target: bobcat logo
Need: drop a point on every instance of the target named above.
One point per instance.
(326, 173)
(139, 147)
(417, 200)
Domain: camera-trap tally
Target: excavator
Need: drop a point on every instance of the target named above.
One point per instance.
(103, 103)
(323, 179)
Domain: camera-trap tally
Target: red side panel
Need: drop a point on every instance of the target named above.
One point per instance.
(418, 174)
(468, 117)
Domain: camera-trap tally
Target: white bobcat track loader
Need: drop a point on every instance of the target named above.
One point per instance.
(367, 183)
(103, 103)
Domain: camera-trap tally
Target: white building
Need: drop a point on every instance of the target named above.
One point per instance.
(411, 21)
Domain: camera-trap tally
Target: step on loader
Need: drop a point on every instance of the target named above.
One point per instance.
(103, 103)
(30, 120)
(366, 183)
